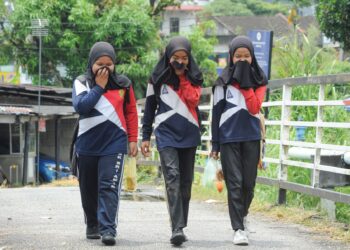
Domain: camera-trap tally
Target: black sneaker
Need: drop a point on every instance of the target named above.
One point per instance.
(186, 239)
(177, 237)
(93, 233)
(108, 239)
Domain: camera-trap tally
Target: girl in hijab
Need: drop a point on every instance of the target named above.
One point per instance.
(238, 96)
(108, 125)
(172, 101)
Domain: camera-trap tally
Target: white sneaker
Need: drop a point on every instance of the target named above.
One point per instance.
(240, 238)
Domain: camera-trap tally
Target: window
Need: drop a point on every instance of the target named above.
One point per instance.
(4, 139)
(15, 138)
(10, 138)
(174, 25)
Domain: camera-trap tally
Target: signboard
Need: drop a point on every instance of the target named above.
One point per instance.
(42, 125)
(262, 42)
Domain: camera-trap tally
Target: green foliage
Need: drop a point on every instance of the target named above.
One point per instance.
(4, 48)
(203, 49)
(243, 8)
(158, 6)
(342, 211)
(298, 3)
(334, 19)
(226, 8)
(300, 55)
(265, 193)
(146, 174)
(74, 26)
(259, 7)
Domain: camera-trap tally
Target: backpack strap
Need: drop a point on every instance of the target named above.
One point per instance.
(225, 90)
(83, 80)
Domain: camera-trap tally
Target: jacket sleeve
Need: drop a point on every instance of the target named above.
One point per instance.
(149, 113)
(83, 100)
(254, 99)
(131, 117)
(218, 107)
(191, 93)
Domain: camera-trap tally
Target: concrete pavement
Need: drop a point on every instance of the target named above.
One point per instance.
(52, 218)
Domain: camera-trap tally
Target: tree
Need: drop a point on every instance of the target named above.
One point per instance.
(158, 6)
(298, 3)
(334, 19)
(226, 8)
(4, 59)
(243, 8)
(203, 49)
(259, 7)
(74, 26)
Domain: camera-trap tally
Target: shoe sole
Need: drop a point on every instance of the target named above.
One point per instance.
(178, 240)
(242, 243)
(93, 237)
(109, 242)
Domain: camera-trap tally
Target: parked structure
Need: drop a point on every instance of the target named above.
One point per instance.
(21, 119)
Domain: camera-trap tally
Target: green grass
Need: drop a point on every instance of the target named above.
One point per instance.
(342, 211)
(147, 174)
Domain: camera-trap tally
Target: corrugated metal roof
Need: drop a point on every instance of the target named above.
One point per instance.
(15, 110)
(35, 88)
(54, 110)
(34, 110)
(50, 95)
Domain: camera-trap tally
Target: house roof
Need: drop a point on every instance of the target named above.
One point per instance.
(22, 100)
(53, 95)
(46, 110)
(278, 24)
(34, 110)
(184, 8)
(35, 88)
(16, 110)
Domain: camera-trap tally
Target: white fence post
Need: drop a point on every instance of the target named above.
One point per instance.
(284, 135)
(318, 140)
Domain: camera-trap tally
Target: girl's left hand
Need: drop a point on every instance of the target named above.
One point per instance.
(133, 149)
(214, 155)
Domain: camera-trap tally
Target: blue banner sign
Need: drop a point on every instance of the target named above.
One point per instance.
(262, 42)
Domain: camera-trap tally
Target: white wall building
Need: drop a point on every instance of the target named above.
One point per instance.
(179, 19)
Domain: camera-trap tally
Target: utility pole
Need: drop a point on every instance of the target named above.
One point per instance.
(39, 29)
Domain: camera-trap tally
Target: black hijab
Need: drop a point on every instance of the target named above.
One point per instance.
(115, 81)
(247, 75)
(163, 72)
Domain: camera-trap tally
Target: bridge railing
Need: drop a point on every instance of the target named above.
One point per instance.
(284, 129)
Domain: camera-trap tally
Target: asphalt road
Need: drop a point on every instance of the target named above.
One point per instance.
(52, 218)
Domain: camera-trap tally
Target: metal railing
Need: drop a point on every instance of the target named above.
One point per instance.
(285, 86)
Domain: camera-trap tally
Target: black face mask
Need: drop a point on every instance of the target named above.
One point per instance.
(244, 74)
(177, 65)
